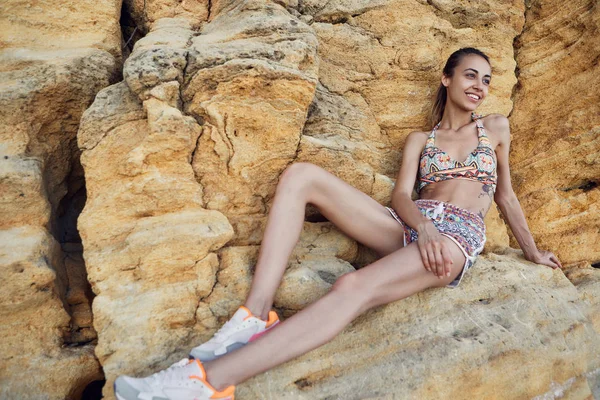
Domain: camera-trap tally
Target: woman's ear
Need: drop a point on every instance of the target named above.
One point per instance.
(446, 80)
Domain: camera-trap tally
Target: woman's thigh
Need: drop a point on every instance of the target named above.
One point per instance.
(399, 275)
(350, 210)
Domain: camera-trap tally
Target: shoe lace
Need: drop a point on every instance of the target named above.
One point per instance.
(225, 330)
(169, 373)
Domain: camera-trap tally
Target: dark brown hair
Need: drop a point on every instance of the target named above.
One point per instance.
(437, 111)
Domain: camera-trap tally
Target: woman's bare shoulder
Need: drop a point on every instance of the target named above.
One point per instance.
(417, 137)
(498, 126)
(415, 141)
(497, 123)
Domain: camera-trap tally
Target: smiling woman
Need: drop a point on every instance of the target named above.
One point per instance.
(476, 94)
(430, 242)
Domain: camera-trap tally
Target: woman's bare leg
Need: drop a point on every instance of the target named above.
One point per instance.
(350, 210)
(394, 277)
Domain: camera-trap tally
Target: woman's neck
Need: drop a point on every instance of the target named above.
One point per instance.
(454, 118)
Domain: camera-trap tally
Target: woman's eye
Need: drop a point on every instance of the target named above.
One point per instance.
(471, 75)
(486, 81)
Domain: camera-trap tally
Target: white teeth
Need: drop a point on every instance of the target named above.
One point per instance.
(473, 96)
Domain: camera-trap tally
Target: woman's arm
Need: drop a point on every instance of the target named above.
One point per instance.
(401, 196)
(434, 253)
(507, 200)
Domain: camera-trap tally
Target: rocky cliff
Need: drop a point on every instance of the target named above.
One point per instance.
(177, 164)
(53, 61)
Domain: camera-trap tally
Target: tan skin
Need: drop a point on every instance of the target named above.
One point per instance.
(433, 261)
(457, 136)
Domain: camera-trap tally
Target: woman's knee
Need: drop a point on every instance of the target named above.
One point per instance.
(298, 175)
(349, 283)
(354, 288)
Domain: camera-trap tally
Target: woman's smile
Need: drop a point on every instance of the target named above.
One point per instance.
(473, 97)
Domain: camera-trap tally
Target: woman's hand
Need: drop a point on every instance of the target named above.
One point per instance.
(434, 252)
(544, 257)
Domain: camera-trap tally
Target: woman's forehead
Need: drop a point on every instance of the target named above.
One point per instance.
(478, 63)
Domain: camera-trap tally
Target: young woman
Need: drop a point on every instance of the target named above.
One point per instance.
(459, 167)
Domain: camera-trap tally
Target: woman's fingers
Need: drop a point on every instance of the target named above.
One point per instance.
(424, 257)
(439, 260)
(436, 257)
(431, 255)
(555, 260)
(447, 258)
(549, 259)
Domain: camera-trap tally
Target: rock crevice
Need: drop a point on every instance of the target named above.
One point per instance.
(182, 159)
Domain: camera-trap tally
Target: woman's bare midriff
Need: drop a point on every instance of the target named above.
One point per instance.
(464, 193)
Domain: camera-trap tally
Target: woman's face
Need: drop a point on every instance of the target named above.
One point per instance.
(469, 84)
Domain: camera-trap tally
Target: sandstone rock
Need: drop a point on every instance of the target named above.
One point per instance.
(146, 12)
(22, 185)
(556, 145)
(250, 78)
(303, 282)
(372, 96)
(49, 26)
(308, 281)
(587, 280)
(50, 91)
(35, 363)
(79, 296)
(233, 281)
(148, 241)
(150, 143)
(496, 233)
(515, 328)
(52, 62)
(182, 159)
(57, 375)
(158, 57)
(320, 257)
(343, 137)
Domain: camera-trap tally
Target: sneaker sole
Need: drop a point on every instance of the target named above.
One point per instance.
(232, 347)
(257, 335)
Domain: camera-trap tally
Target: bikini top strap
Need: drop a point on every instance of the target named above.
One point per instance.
(480, 128)
(431, 138)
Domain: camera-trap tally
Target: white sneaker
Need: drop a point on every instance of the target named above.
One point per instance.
(184, 380)
(240, 330)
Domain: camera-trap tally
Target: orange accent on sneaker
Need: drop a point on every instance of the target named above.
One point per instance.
(273, 318)
(225, 394)
(250, 315)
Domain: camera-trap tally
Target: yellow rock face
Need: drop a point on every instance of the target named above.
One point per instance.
(54, 58)
(183, 156)
(148, 241)
(556, 135)
(47, 26)
(379, 67)
(251, 76)
(146, 12)
(514, 330)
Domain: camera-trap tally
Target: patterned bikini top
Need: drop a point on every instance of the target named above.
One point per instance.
(480, 166)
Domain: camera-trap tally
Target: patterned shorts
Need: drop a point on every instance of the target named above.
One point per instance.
(463, 227)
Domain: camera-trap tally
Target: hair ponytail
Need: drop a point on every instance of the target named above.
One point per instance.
(439, 105)
(441, 95)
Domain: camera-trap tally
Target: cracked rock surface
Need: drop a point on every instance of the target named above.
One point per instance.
(556, 127)
(517, 329)
(182, 158)
(53, 60)
(195, 135)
